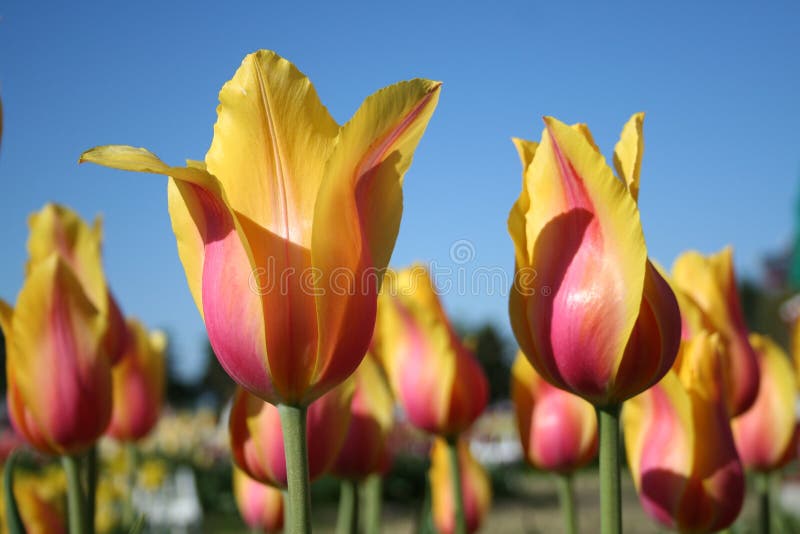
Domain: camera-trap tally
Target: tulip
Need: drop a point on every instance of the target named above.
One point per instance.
(588, 308)
(40, 507)
(261, 506)
(365, 450)
(680, 445)
(256, 435)
(435, 377)
(710, 282)
(475, 488)
(285, 230)
(138, 384)
(766, 435)
(558, 430)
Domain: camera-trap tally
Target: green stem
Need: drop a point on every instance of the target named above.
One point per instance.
(91, 488)
(132, 456)
(372, 488)
(347, 522)
(566, 496)
(293, 424)
(76, 506)
(14, 523)
(458, 496)
(765, 503)
(610, 498)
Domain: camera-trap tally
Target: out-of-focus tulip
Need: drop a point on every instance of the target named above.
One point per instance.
(59, 375)
(558, 430)
(475, 487)
(40, 501)
(435, 377)
(680, 446)
(766, 434)
(138, 384)
(285, 229)
(366, 449)
(587, 307)
(260, 505)
(57, 228)
(257, 437)
(710, 282)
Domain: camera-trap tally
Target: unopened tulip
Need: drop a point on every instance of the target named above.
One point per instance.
(587, 307)
(710, 282)
(257, 437)
(558, 430)
(138, 382)
(766, 434)
(40, 505)
(284, 229)
(59, 375)
(366, 449)
(260, 505)
(435, 377)
(476, 489)
(57, 228)
(680, 446)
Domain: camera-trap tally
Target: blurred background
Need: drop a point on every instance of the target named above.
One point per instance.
(718, 81)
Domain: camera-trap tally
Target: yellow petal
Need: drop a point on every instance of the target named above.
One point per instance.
(271, 141)
(628, 153)
(357, 215)
(57, 228)
(516, 219)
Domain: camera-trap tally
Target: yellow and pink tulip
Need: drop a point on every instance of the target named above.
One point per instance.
(766, 434)
(58, 369)
(558, 430)
(256, 434)
(366, 448)
(435, 377)
(587, 307)
(285, 228)
(138, 382)
(476, 489)
(261, 506)
(680, 446)
(710, 283)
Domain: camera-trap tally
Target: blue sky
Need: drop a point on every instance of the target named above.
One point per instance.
(719, 82)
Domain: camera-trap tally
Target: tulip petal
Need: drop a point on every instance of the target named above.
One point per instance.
(271, 141)
(58, 228)
(516, 219)
(628, 153)
(590, 252)
(231, 305)
(357, 217)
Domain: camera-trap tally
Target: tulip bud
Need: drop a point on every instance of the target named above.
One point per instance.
(257, 437)
(366, 449)
(435, 377)
(138, 384)
(587, 307)
(680, 446)
(558, 430)
(260, 505)
(476, 488)
(710, 282)
(766, 434)
(59, 379)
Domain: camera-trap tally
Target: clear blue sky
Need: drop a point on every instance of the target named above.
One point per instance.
(720, 83)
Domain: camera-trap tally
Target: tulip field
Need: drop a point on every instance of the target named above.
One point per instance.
(343, 393)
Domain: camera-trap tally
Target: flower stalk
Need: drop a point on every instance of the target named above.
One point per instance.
(610, 495)
(293, 424)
